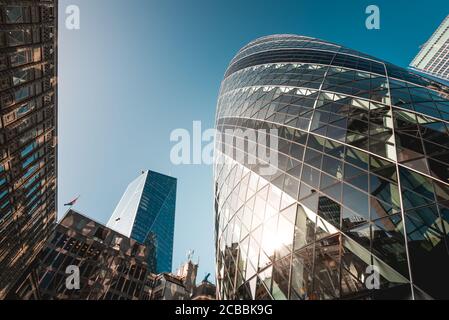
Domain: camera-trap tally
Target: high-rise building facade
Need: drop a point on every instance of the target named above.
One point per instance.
(28, 113)
(110, 266)
(433, 58)
(147, 208)
(360, 188)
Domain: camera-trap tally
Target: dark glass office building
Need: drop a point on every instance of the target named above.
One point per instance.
(147, 208)
(28, 113)
(360, 188)
(111, 266)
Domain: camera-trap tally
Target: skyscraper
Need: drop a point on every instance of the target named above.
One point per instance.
(28, 104)
(433, 59)
(360, 188)
(147, 208)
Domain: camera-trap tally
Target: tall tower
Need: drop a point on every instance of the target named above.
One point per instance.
(358, 182)
(147, 208)
(28, 114)
(433, 58)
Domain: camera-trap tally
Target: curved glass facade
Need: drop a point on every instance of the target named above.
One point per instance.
(360, 188)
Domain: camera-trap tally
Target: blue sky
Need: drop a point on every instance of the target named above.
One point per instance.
(138, 69)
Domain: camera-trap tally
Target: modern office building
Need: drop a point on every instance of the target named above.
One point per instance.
(28, 114)
(358, 187)
(111, 266)
(147, 208)
(433, 58)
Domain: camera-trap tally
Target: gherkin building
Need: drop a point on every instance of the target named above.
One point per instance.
(356, 205)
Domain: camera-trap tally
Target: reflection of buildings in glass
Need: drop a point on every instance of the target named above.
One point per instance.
(28, 144)
(433, 58)
(148, 207)
(361, 178)
(111, 266)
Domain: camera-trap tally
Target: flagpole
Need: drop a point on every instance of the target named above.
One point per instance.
(76, 200)
(73, 202)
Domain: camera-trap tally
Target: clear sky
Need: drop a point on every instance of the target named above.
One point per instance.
(138, 69)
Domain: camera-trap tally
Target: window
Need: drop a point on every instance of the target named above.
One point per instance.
(17, 37)
(14, 15)
(5, 204)
(357, 158)
(333, 167)
(25, 108)
(351, 220)
(334, 149)
(30, 182)
(355, 200)
(27, 150)
(3, 62)
(291, 186)
(388, 242)
(428, 255)
(30, 171)
(313, 158)
(21, 58)
(31, 191)
(327, 269)
(383, 168)
(384, 190)
(310, 176)
(22, 93)
(281, 273)
(100, 233)
(356, 177)
(304, 229)
(329, 210)
(302, 266)
(28, 161)
(4, 193)
(417, 183)
(439, 170)
(21, 76)
(46, 281)
(327, 181)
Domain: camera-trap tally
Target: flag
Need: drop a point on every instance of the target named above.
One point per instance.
(72, 203)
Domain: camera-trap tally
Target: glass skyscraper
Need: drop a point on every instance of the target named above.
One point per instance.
(360, 188)
(433, 58)
(28, 137)
(147, 208)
